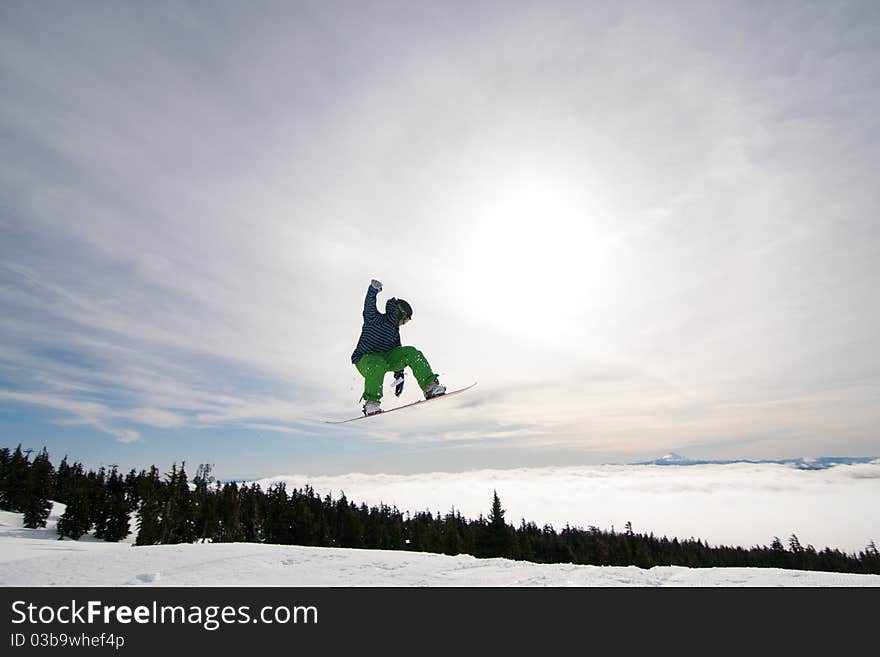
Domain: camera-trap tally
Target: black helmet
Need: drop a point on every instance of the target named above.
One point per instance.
(405, 309)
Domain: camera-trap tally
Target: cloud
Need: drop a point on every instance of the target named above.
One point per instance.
(88, 413)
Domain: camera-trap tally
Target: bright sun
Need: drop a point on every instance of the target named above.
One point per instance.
(533, 247)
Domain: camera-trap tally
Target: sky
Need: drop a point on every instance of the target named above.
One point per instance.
(639, 226)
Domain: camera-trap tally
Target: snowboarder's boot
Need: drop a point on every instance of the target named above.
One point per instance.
(372, 407)
(434, 389)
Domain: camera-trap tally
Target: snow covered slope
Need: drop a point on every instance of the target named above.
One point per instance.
(34, 557)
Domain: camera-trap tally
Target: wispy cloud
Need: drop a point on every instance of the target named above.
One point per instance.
(90, 413)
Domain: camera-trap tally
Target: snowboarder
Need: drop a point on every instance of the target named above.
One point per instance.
(378, 351)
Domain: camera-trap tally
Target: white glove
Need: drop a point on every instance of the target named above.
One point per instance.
(377, 285)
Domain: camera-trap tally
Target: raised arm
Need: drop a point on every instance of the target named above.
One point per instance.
(370, 310)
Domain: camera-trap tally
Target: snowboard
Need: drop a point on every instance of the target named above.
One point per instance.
(397, 408)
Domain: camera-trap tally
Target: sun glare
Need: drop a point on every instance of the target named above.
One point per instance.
(533, 246)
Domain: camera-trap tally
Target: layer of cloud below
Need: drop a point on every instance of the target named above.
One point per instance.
(731, 504)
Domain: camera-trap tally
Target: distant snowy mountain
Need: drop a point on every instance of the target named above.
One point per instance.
(821, 463)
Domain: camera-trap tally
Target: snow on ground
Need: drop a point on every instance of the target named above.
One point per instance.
(34, 557)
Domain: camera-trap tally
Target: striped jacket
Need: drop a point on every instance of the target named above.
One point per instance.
(380, 331)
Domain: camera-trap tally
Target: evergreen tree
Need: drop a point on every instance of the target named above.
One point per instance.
(349, 528)
(117, 509)
(497, 538)
(278, 528)
(64, 480)
(149, 512)
(5, 461)
(452, 539)
(76, 519)
(231, 530)
(870, 559)
(205, 504)
(296, 522)
(252, 503)
(98, 501)
(15, 482)
(177, 525)
(40, 490)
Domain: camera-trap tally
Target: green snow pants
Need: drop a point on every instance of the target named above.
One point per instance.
(374, 366)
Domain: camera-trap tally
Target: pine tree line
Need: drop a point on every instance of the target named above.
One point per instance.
(100, 502)
(173, 509)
